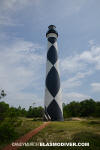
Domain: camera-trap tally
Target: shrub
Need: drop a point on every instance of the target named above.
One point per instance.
(7, 131)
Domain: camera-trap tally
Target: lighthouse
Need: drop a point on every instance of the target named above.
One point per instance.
(53, 99)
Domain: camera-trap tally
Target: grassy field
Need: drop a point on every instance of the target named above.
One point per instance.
(71, 130)
(84, 130)
(26, 126)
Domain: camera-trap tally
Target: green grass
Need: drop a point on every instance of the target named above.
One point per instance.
(26, 126)
(86, 130)
(71, 130)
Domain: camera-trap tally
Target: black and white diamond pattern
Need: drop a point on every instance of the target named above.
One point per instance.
(53, 103)
(52, 55)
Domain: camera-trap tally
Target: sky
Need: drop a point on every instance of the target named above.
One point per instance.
(23, 48)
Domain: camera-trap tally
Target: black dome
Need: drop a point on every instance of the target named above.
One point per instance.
(52, 29)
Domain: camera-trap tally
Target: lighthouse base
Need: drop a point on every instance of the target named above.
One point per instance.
(53, 112)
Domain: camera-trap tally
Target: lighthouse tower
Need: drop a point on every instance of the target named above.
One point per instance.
(53, 102)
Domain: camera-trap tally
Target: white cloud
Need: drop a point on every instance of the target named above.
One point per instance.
(95, 87)
(23, 99)
(79, 67)
(20, 68)
(71, 64)
(70, 83)
(82, 61)
(16, 4)
(75, 81)
(91, 42)
(9, 9)
(74, 96)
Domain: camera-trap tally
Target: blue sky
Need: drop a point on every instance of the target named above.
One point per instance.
(23, 47)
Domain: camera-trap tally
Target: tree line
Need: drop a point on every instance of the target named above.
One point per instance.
(7, 111)
(85, 108)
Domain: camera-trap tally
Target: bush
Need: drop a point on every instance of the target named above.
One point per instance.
(3, 110)
(36, 112)
(86, 108)
(7, 131)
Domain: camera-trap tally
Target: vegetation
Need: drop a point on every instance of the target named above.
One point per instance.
(86, 108)
(15, 122)
(9, 131)
(35, 112)
(2, 93)
(12, 125)
(85, 130)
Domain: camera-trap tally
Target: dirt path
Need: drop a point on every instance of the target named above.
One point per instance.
(26, 137)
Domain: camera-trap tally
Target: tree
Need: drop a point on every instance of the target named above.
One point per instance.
(97, 110)
(4, 108)
(84, 108)
(2, 94)
(87, 107)
(72, 109)
(35, 112)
